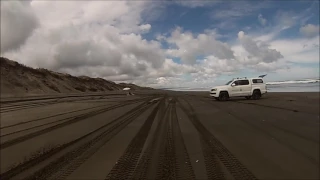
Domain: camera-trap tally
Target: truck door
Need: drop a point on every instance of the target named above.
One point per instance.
(245, 87)
(235, 90)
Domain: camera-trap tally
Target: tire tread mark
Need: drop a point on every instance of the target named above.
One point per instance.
(281, 128)
(55, 115)
(213, 168)
(64, 119)
(51, 128)
(15, 171)
(65, 165)
(24, 106)
(44, 118)
(311, 159)
(150, 156)
(183, 165)
(233, 165)
(17, 107)
(36, 98)
(127, 162)
(267, 106)
(166, 165)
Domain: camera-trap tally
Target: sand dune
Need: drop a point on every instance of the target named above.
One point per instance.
(17, 79)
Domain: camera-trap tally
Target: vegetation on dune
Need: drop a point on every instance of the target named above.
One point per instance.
(18, 77)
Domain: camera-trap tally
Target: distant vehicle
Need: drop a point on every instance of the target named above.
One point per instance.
(128, 93)
(252, 88)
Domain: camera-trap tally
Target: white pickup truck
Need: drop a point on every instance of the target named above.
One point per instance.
(240, 87)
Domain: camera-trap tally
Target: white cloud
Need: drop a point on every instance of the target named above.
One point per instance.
(145, 28)
(267, 37)
(77, 37)
(302, 50)
(258, 50)
(228, 13)
(82, 38)
(238, 9)
(262, 20)
(214, 33)
(226, 24)
(189, 46)
(288, 19)
(227, 16)
(285, 19)
(124, 15)
(18, 21)
(282, 21)
(310, 30)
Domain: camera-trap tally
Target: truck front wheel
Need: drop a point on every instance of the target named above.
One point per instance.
(223, 96)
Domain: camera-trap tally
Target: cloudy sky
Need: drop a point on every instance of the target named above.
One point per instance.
(165, 43)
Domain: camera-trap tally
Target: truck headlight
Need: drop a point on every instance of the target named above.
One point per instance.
(214, 89)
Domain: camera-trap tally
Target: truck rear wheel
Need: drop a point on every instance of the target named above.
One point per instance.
(223, 96)
(256, 94)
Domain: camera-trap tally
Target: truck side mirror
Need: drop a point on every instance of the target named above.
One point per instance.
(233, 84)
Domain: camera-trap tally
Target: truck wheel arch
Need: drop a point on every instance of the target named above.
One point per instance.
(223, 91)
(256, 89)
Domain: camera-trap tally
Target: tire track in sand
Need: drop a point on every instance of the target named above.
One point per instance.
(65, 165)
(85, 142)
(127, 162)
(267, 133)
(97, 108)
(214, 151)
(69, 121)
(166, 156)
(148, 161)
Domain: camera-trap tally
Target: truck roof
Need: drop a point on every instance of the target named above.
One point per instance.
(246, 78)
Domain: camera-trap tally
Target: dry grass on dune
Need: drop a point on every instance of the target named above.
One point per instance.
(19, 79)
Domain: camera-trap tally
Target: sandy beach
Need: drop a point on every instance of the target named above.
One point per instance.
(160, 135)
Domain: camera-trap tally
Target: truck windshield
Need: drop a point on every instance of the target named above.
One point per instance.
(228, 82)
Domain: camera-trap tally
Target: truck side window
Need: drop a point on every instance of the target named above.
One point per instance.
(257, 80)
(244, 82)
(236, 83)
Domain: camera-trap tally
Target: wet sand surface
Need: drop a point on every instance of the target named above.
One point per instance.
(160, 135)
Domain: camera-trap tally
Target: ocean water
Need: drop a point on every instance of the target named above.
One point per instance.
(294, 86)
(306, 85)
